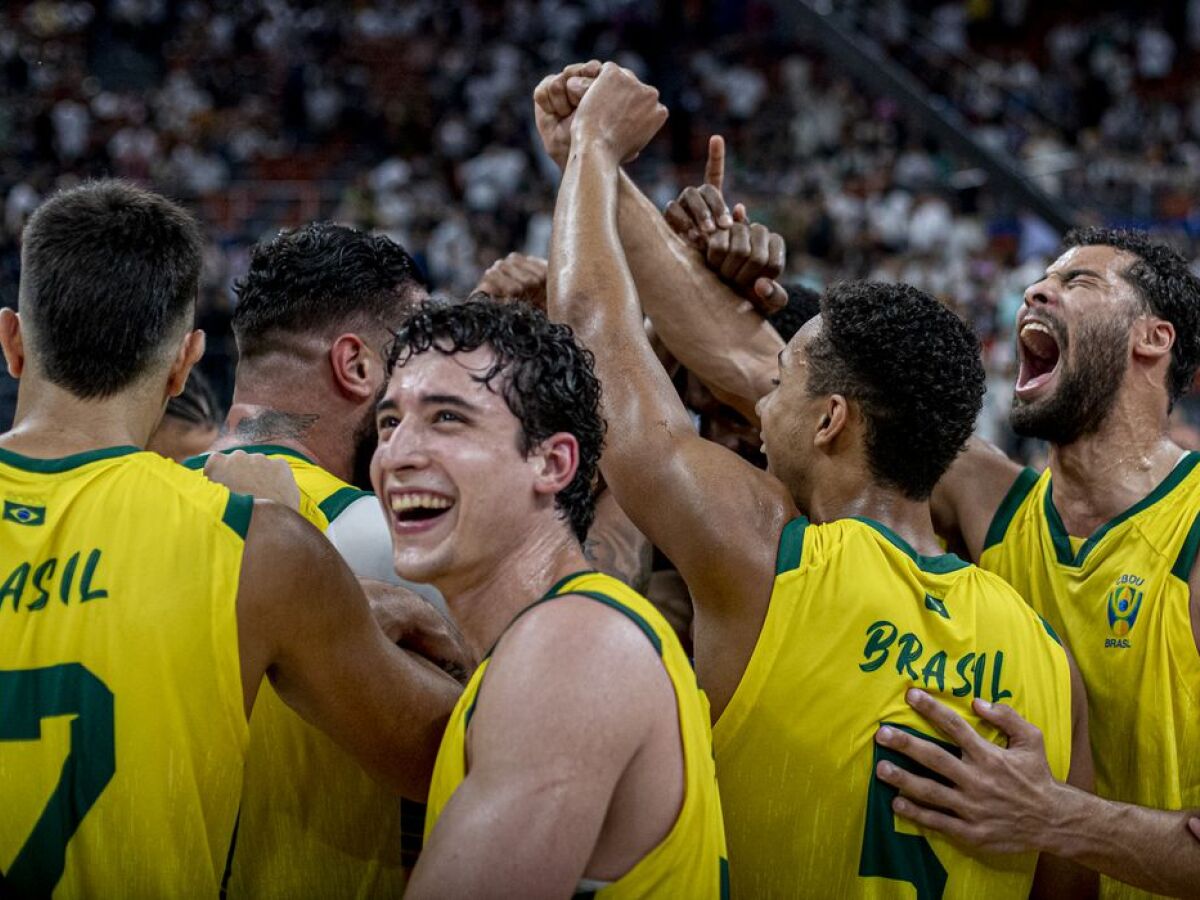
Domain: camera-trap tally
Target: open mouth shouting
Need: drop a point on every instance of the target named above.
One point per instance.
(415, 511)
(1040, 354)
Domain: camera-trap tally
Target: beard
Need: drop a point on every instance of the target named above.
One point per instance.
(364, 440)
(1087, 389)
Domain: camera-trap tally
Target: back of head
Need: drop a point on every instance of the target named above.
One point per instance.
(109, 275)
(547, 380)
(915, 371)
(321, 277)
(1166, 284)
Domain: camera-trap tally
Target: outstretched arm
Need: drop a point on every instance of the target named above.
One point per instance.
(1006, 800)
(701, 319)
(716, 517)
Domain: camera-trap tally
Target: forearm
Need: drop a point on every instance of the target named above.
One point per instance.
(1147, 848)
(707, 327)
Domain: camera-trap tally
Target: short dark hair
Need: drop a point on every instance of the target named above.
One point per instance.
(548, 380)
(1165, 282)
(108, 273)
(319, 276)
(197, 404)
(915, 371)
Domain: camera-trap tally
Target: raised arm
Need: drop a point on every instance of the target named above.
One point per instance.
(715, 516)
(701, 319)
(965, 502)
(304, 622)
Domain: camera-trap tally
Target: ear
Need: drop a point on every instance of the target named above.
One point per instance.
(188, 355)
(357, 371)
(1153, 338)
(556, 460)
(834, 418)
(11, 341)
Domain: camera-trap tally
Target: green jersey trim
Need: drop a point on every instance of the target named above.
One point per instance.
(1187, 553)
(1008, 507)
(1058, 531)
(238, 509)
(197, 462)
(335, 504)
(63, 463)
(791, 545)
(934, 565)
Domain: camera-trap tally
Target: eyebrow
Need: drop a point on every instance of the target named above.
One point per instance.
(430, 400)
(1072, 273)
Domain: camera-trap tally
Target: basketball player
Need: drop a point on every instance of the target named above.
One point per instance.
(1103, 544)
(314, 314)
(808, 628)
(579, 757)
(144, 605)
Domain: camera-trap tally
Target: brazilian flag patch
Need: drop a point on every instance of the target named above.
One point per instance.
(23, 513)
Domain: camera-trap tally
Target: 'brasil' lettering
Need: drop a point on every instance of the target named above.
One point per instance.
(971, 668)
(30, 586)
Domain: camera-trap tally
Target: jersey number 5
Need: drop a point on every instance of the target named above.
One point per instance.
(26, 697)
(888, 853)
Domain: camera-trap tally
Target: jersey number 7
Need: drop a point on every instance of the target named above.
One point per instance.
(26, 697)
(888, 853)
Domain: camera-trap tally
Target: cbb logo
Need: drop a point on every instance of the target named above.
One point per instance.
(1124, 603)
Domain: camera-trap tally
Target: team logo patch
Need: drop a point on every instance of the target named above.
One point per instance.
(23, 513)
(1124, 603)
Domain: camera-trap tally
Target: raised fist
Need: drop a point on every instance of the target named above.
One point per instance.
(618, 111)
(554, 102)
(516, 277)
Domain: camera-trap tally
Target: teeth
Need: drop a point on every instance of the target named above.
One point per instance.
(405, 502)
(1036, 326)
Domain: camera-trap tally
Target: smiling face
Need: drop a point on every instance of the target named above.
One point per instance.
(457, 490)
(1073, 344)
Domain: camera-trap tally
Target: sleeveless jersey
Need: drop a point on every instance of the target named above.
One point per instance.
(856, 617)
(690, 861)
(313, 822)
(122, 721)
(1120, 601)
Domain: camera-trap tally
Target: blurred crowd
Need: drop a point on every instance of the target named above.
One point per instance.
(414, 117)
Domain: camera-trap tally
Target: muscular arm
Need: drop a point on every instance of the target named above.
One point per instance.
(716, 517)
(304, 622)
(967, 497)
(706, 326)
(547, 750)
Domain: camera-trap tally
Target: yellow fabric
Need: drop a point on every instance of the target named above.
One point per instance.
(691, 861)
(120, 683)
(313, 823)
(855, 618)
(1120, 602)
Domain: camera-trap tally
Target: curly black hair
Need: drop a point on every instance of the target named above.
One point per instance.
(319, 276)
(548, 380)
(915, 371)
(802, 304)
(109, 273)
(1165, 282)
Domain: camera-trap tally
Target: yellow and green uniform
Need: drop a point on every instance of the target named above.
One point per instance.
(122, 722)
(313, 822)
(691, 860)
(1120, 600)
(856, 617)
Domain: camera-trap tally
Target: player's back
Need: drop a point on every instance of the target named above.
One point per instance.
(855, 618)
(122, 723)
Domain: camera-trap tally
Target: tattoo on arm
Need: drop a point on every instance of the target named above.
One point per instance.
(625, 554)
(273, 424)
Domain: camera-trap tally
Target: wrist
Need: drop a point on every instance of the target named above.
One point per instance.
(586, 143)
(1067, 815)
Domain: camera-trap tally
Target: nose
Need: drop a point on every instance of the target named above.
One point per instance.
(1040, 294)
(404, 449)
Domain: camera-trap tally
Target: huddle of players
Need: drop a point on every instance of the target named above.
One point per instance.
(144, 604)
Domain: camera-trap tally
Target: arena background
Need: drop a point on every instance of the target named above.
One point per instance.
(942, 144)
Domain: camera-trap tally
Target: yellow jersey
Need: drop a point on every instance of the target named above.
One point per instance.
(856, 617)
(1120, 599)
(313, 822)
(122, 720)
(691, 860)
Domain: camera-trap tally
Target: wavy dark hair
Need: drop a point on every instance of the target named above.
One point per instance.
(915, 371)
(1166, 284)
(320, 276)
(546, 378)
